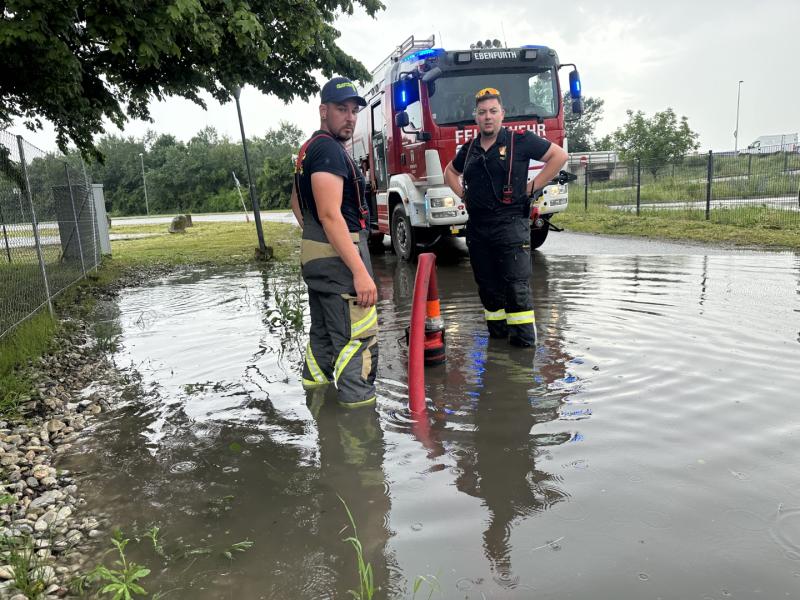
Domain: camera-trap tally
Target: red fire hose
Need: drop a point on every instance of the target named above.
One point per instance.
(426, 344)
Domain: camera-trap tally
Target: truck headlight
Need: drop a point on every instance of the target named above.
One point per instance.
(446, 202)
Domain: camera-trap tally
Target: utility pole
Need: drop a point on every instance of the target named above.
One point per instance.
(264, 251)
(736, 131)
(144, 182)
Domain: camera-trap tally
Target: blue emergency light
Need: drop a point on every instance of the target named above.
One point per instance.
(574, 84)
(406, 91)
(426, 53)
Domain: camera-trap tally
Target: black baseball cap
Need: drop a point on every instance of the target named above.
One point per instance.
(340, 89)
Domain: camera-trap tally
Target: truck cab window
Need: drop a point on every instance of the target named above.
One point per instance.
(414, 111)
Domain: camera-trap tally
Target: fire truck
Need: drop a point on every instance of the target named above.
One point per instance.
(420, 111)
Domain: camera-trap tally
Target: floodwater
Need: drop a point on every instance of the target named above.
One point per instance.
(648, 448)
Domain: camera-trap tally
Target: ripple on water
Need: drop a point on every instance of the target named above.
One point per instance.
(254, 438)
(186, 466)
(785, 532)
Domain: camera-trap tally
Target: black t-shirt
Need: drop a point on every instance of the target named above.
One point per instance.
(487, 172)
(325, 154)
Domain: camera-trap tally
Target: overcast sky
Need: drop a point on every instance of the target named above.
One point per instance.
(685, 54)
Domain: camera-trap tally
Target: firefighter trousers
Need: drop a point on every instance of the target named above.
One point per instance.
(342, 347)
(499, 251)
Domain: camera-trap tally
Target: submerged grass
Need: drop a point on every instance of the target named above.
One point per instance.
(202, 244)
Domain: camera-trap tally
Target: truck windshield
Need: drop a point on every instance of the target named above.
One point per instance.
(525, 93)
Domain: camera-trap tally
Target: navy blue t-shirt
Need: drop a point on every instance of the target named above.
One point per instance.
(326, 154)
(486, 171)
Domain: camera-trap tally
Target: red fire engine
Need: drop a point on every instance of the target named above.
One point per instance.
(420, 111)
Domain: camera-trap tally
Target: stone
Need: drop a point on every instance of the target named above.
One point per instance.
(45, 521)
(55, 425)
(6, 572)
(94, 533)
(47, 498)
(178, 224)
(47, 573)
(32, 482)
(49, 481)
(41, 471)
(64, 514)
(74, 536)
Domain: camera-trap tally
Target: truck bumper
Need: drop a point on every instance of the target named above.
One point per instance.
(443, 207)
(555, 199)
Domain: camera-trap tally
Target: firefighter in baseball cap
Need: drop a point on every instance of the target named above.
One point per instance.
(491, 174)
(329, 204)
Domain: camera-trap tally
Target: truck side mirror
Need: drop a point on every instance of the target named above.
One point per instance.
(577, 106)
(432, 75)
(401, 119)
(574, 84)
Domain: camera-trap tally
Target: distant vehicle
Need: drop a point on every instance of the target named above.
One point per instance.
(600, 164)
(786, 142)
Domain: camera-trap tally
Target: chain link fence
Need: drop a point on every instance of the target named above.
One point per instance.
(48, 229)
(738, 188)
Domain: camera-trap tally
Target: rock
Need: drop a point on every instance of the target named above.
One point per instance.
(12, 458)
(63, 514)
(55, 425)
(32, 482)
(15, 476)
(95, 409)
(47, 574)
(6, 572)
(47, 498)
(49, 481)
(19, 597)
(15, 439)
(46, 520)
(41, 471)
(178, 224)
(94, 533)
(74, 536)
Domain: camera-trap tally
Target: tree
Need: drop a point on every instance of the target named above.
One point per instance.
(76, 63)
(580, 132)
(656, 141)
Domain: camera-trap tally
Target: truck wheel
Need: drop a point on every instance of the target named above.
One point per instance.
(539, 235)
(403, 241)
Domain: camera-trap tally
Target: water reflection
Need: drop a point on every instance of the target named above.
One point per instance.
(487, 403)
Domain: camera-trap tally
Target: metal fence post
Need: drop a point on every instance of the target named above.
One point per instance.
(749, 164)
(785, 161)
(90, 199)
(638, 185)
(5, 234)
(75, 218)
(586, 187)
(709, 179)
(29, 194)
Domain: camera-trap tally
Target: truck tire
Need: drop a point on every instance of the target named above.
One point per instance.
(539, 235)
(403, 238)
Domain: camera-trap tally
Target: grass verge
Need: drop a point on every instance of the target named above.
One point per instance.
(763, 232)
